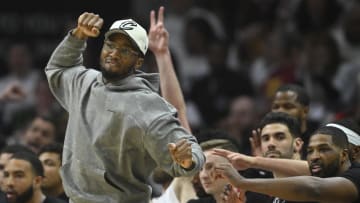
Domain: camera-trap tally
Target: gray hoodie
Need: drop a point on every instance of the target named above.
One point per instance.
(117, 133)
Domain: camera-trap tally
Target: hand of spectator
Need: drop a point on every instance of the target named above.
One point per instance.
(255, 143)
(227, 171)
(233, 195)
(13, 92)
(239, 161)
(89, 25)
(181, 153)
(158, 35)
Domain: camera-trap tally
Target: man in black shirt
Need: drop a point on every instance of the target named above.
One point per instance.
(23, 175)
(333, 178)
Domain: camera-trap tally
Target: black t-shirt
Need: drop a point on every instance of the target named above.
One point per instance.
(253, 197)
(278, 200)
(53, 200)
(63, 197)
(353, 174)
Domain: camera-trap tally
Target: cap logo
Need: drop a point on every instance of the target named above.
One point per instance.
(127, 25)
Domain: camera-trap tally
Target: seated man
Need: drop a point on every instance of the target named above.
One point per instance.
(333, 178)
(23, 176)
(51, 157)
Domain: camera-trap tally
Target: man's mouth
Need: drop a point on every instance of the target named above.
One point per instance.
(315, 168)
(10, 195)
(272, 154)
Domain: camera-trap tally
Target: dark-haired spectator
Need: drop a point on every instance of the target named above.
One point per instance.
(23, 176)
(6, 153)
(294, 100)
(333, 178)
(40, 132)
(50, 156)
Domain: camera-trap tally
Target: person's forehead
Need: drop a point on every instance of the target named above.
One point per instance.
(4, 157)
(212, 158)
(274, 128)
(289, 96)
(42, 122)
(320, 139)
(18, 165)
(121, 39)
(49, 155)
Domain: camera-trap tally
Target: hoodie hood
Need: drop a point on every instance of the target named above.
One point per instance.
(137, 81)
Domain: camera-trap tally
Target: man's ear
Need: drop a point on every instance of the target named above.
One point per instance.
(37, 181)
(355, 153)
(298, 144)
(305, 112)
(139, 62)
(344, 155)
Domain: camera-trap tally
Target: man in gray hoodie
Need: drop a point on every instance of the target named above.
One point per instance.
(119, 127)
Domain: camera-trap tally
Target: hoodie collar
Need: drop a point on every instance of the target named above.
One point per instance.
(138, 80)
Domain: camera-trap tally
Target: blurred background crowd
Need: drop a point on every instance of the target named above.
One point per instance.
(230, 57)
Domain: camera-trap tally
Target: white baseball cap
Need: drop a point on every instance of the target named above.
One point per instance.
(132, 29)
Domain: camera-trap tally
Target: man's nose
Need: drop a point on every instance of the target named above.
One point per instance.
(315, 155)
(271, 144)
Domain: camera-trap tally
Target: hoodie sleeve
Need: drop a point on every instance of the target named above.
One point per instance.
(65, 73)
(167, 129)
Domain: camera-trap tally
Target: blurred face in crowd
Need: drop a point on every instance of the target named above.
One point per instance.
(287, 102)
(277, 142)
(242, 112)
(51, 163)
(4, 158)
(39, 133)
(19, 59)
(211, 183)
(20, 181)
(323, 156)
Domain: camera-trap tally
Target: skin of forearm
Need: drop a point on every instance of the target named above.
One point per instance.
(282, 167)
(170, 86)
(304, 188)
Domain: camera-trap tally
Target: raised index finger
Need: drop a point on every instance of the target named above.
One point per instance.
(161, 14)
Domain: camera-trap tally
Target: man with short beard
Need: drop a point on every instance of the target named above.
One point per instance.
(119, 128)
(334, 178)
(23, 175)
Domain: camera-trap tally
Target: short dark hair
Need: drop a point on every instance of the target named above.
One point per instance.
(34, 161)
(283, 118)
(215, 138)
(14, 148)
(302, 96)
(338, 136)
(54, 147)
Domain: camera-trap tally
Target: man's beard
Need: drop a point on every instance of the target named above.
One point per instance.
(330, 170)
(110, 75)
(113, 76)
(25, 196)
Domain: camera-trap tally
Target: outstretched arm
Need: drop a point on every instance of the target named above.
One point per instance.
(169, 84)
(281, 167)
(298, 188)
